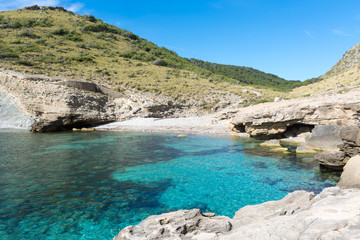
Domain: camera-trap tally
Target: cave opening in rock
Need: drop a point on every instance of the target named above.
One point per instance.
(298, 130)
(240, 128)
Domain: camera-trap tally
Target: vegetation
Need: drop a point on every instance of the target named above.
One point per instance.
(53, 41)
(251, 76)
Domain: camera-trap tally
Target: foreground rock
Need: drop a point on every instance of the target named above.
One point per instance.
(339, 144)
(278, 118)
(333, 214)
(350, 178)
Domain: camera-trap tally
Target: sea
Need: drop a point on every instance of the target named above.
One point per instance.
(90, 185)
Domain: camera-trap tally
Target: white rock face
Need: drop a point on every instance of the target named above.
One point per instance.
(350, 177)
(12, 115)
(333, 214)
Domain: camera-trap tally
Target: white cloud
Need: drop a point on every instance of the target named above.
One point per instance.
(340, 33)
(14, 4)
(76, 7)
(308, 33)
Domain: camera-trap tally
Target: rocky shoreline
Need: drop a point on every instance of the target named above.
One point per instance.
(325, 125)
(332, 214)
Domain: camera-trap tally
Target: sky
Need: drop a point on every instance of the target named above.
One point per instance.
(294, 39)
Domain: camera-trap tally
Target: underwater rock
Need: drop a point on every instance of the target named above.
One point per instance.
(271, 143)
(305, 150)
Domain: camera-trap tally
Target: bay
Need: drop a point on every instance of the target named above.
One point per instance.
(90, 185)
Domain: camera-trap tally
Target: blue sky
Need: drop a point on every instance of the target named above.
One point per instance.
(294, 39)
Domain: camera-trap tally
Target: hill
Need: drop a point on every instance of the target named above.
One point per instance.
(56, 42)
(251, 76)
(342, 77)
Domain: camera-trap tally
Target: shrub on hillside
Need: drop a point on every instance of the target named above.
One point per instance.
(160, 63)
(6, 52)
(60, 31)
(27, 33)
(90, 18)
(74, 36)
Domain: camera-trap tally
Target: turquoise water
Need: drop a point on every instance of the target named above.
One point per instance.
(90, 185)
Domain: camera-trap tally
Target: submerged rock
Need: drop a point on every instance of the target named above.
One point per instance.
(333, 214)
(305, 150)
(280, 149)
(271, 143)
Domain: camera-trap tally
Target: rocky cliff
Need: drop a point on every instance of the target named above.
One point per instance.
(56, 103)
(275, 118)
(62, 103)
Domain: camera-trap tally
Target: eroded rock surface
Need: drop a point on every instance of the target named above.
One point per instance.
(275, 118)
(333, 214)
(177, 225)
(55, 105)
(331, 159)
(350, 177)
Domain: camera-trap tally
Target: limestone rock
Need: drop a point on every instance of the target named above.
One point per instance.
(324, 137)
(350, 177)
(277, 99)
(276, 118)
(57, 103)
(333, 214)
(271, 143)
(305, 150)
(177, 225)
(331, 159)
(280, 149)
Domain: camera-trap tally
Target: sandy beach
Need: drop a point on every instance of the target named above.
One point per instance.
(190, 125)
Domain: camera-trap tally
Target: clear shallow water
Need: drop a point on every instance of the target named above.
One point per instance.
(90, 185)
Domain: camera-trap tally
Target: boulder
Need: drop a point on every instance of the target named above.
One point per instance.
(350, 177)
(177, 225)
(350, 134)
(331, 159)
(324, 137)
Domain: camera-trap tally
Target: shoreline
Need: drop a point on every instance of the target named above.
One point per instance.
(190, 125)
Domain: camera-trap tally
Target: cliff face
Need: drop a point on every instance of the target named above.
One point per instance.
(57, 103)
(12, 115)
(54, 105)
(273, 119)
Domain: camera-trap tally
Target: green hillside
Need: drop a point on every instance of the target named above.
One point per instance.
(247, 75)
(54, 41)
